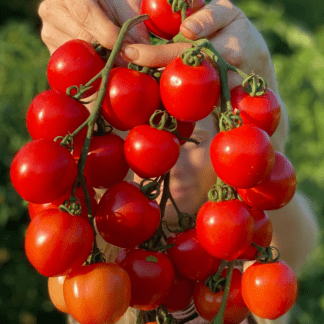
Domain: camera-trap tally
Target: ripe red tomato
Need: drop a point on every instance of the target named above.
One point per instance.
(262, 234)
(35, 209)
(106, 163)
(131, 98)
(181, 294)
(276, 190)
(208, 303)
(151, 152)
(97, 293)
(55, 291)
(163, 22)
(225, 228)
(57, 243)
(53, 113)
(74, 63)
(125, 217)
(189, 93)
(242, 157)
(189, 257)
(185, 129)
(269, 290)
(43, 171)
(262, 111)
(152, 276)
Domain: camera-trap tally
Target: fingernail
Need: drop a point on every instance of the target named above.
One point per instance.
(130, 53)
(192, 26)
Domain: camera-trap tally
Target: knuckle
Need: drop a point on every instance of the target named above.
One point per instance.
(82, 14)
(206, 17)
(44, 9)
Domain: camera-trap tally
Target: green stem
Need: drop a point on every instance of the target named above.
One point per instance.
(219, 318)
(140, 317)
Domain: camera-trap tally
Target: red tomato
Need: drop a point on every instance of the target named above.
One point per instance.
(163, 22)
(242, 157)
(125, 217)
(151, 152)
(98, 293)
(189, 93)
(53, 113)
(270, 289)
(208, 303)
(43, 171)
(74, 63)
(106, 163)
(189, 257)
(181, 294)
(55, 291)
(262, 234)
(35, 209)
(262, 111)
(57, 243)
(131, 98)
(225, 228)
(276, 190)
(185, 129)
(152, 276)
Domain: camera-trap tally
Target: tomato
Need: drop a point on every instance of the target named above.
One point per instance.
(163, 22)
(53, 113)
(189, 257)
(57, 243)
(35, 209)
(131, 98)
(55, 291)
(181, 294)
(125, 217)
(151, 152)
(98, 293)
(262, 234)
(152, 276)
(106, 163)
(225, 228)
(262, 111)
(270, 289)
(74, 63)
(185, 129)
(189, 93)
(242, 157)
(43, 171)
(276, 190)
(208, 303)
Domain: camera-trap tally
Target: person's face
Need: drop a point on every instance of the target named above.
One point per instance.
(193, 174)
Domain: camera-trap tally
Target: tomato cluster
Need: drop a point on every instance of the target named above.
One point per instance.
(49, 172)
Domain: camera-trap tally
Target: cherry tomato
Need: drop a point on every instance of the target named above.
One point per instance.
(43, 171)
(35, 209)
(57, 243)
(189, 257)
(189, 93)
(74, 63)
(55, 291)
(262, 234)
(276, 190)
(208, 303)
(131, 98)
(181, 294)
(163, 22)
(270, 289)
(262, 111)
(106, 163)
(152, 276)
(225, 228)
(125, 217)
(53, 113)
(151, 152)
(98, 293)
(242, 157)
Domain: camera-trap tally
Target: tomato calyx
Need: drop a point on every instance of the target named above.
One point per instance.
(153, 72)
(103, 52)
(71, 206)
(96, 256)
(265, 254)
(193, 56)
(221, 191)
(102, 127)
(165, 122)
(167, 318)
(152, 189)
(254, 85)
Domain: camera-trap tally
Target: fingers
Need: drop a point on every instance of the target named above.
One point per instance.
(153, 55)
(211, 18)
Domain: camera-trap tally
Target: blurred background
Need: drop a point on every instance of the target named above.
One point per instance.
(294, 31)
